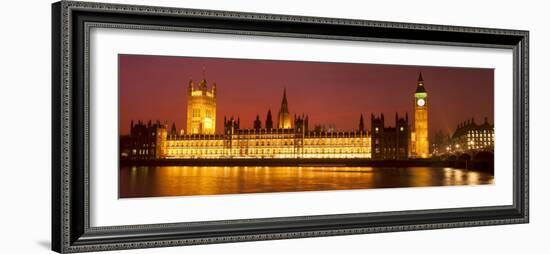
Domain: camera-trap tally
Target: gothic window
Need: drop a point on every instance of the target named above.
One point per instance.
(196, 112)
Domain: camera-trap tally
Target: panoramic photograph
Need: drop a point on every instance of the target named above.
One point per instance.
(210, 126)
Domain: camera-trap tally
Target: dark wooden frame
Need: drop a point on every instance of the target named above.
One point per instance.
(71, 22)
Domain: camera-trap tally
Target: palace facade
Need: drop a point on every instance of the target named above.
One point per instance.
(296, 142)
(290, 137)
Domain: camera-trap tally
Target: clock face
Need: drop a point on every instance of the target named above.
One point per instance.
(420, 102)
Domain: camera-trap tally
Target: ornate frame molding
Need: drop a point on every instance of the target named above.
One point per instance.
(71, 23)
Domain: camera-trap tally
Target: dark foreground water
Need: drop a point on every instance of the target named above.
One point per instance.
(189, 180)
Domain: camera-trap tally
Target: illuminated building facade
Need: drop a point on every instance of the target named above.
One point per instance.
(471, 136)
(468, 136)
(201, 108)
(291, 137)
(390, 143)
(419, 139)
(297, 142)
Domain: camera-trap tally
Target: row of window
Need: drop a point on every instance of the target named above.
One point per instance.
(481, 135)
(221, 152)
(481, 131)
(203, 143)
(211, 143)
(197, 113)
(142, 152)
(389, 150)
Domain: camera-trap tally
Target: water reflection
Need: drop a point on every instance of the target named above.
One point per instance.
(184, 180)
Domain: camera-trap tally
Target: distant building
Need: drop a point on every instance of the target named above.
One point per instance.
(468, 136)
(471, 136)
(390, 143)
(440, 142)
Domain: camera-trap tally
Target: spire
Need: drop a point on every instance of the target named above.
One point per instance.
(420, 84)
(285, 121)
(257, 123)
(269, 120)
(190, 87)
(203, 83)
(307, 123)
(361, 124)
(214, 89)
(284, 103)
(173, 130)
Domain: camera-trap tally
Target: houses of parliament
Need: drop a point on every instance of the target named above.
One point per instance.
(283, 135)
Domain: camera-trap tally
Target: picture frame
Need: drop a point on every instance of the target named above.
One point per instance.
(71, 228)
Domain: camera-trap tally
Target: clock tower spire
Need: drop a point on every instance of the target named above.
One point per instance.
(420, 137)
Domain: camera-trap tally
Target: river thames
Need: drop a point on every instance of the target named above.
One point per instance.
(162, 181)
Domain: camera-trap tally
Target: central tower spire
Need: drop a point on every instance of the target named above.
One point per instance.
(284, 103)
(284, 114)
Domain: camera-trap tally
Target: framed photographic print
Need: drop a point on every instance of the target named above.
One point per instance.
(181, 126)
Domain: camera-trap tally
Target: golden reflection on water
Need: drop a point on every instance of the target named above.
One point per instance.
(193, 180)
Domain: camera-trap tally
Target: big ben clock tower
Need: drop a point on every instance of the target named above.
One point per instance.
(422, 144)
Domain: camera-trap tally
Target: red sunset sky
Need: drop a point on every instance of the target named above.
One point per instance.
(155, 88)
